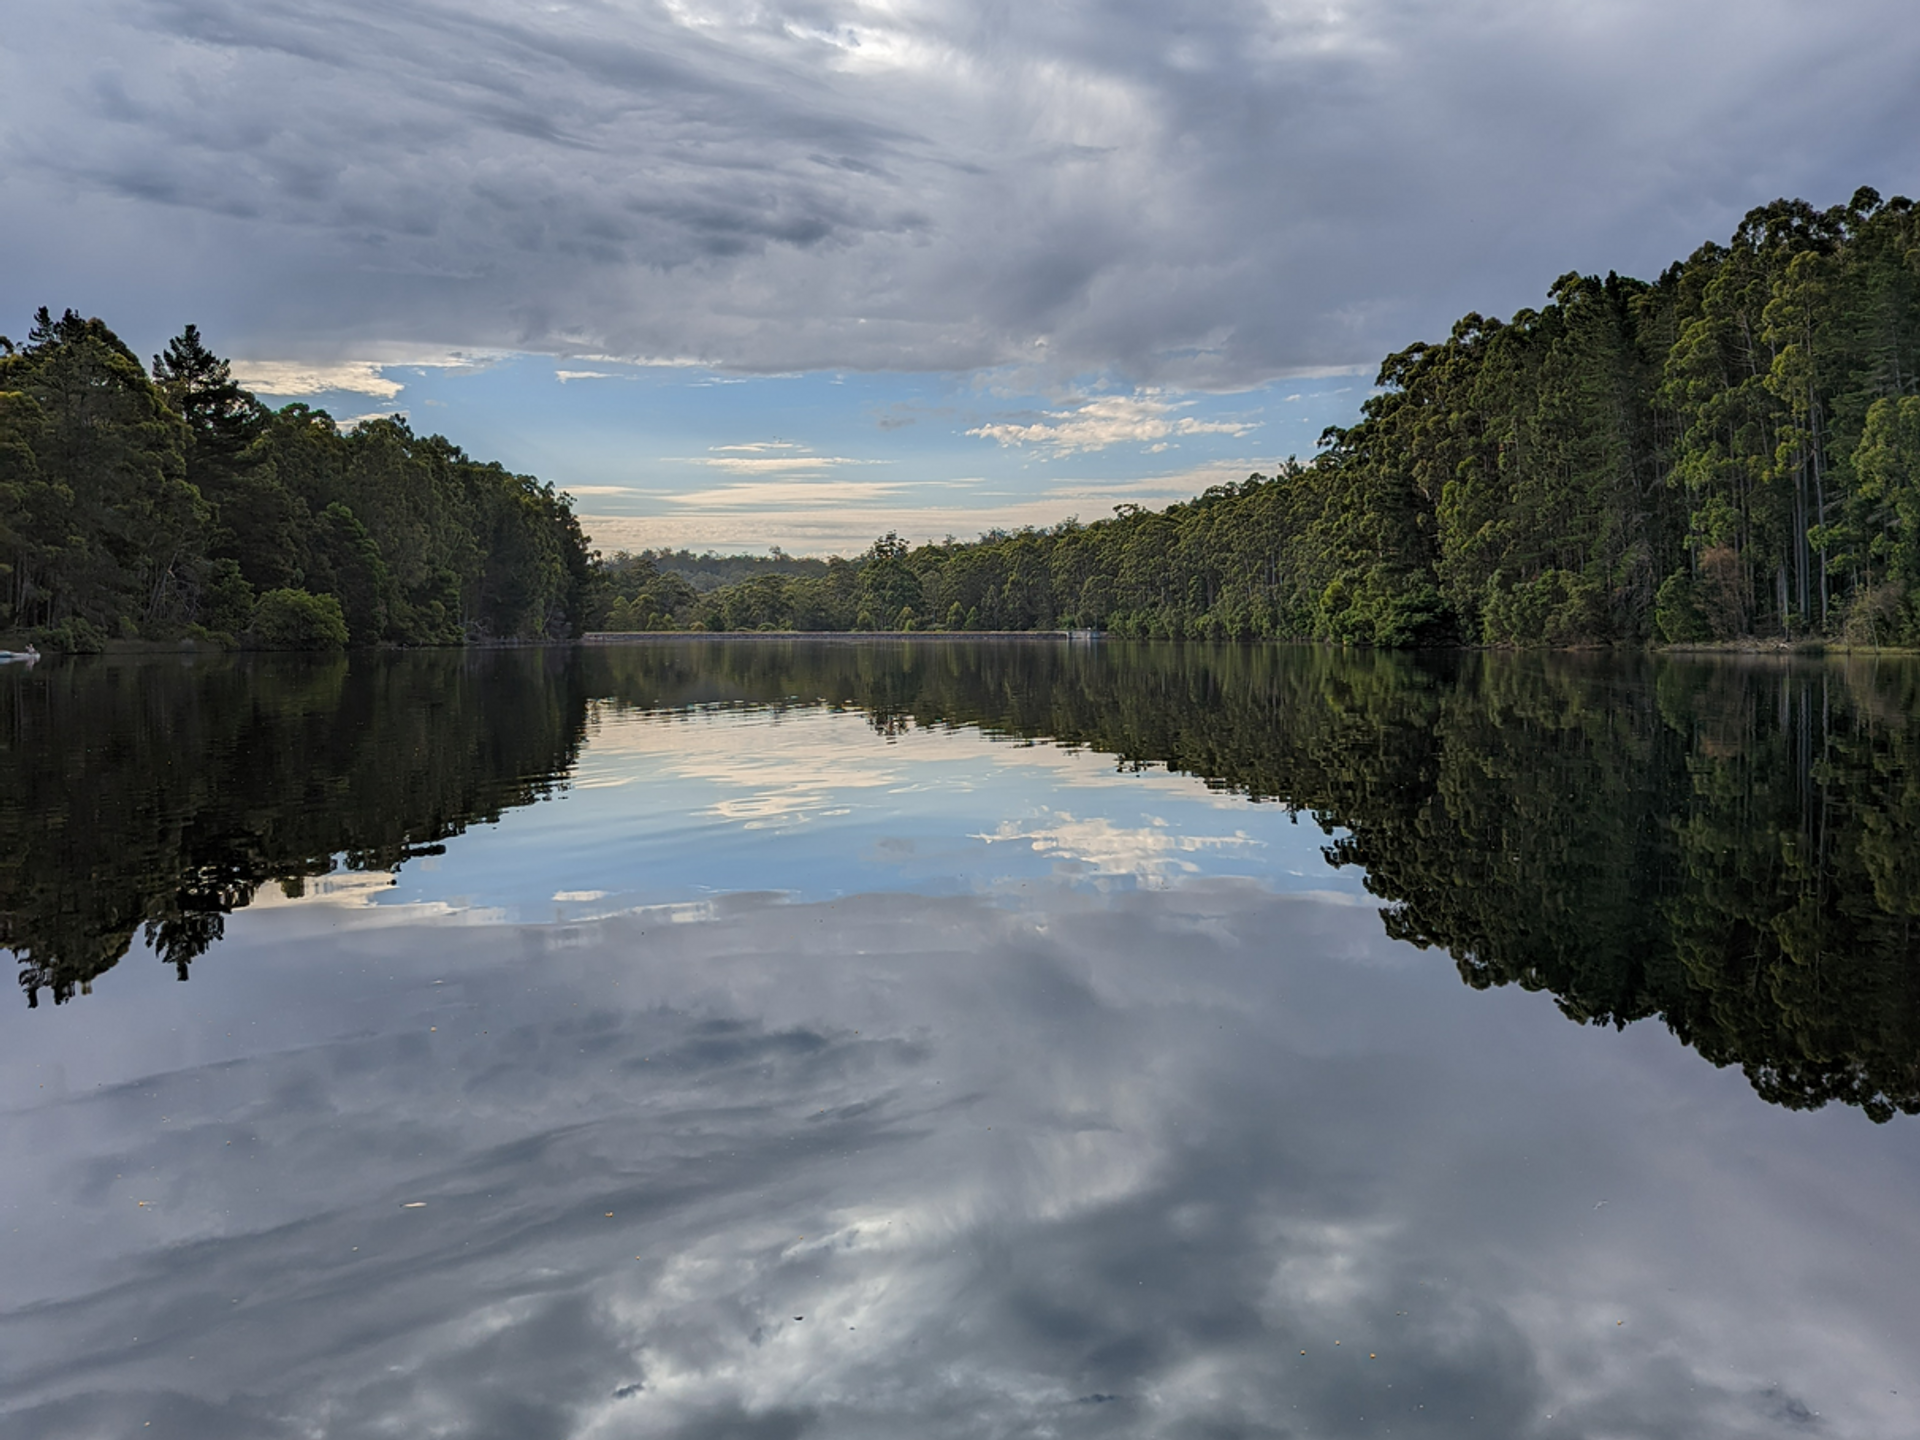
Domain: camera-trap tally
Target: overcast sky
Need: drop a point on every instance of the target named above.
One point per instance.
(1020, 259)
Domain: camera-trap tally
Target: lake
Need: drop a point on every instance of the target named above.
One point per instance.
(1015, 1038)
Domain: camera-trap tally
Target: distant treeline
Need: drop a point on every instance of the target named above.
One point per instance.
(1730, 451)
(709, 570)
(174, 504)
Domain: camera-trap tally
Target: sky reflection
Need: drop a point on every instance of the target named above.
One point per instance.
(815, 801)
(796, 1073)
(1080, 1164)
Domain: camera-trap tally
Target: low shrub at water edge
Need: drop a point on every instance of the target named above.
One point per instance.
(297, 620)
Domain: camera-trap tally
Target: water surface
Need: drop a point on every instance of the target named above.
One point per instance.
(810, 1039)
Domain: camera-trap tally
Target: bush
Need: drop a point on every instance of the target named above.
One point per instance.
(1556, 607)
(1676, 611)
(1877, 616)
(227, 599)
(296, 620)
(1384, 608)
(1722, 593)
(69, 637)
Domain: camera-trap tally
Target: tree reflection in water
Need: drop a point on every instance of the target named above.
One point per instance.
(1730, 845)
(159, 796)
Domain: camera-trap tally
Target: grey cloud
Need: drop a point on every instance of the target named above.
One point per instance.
(1186, 193)
(1226, 1127)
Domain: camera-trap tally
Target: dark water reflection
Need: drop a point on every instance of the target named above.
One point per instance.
(158, 797)
(1733, 847)
(1053, 1161)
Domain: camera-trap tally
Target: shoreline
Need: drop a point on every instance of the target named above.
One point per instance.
(644, 637)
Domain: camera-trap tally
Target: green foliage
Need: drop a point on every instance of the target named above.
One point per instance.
(227, 599)
(155, 507)
(645, 597)
(1743, 422)
(1556, 607)
(72, 636)
(100, 519)
(709, 571)
(1887, 463)
(1677, 616)
(296, 620)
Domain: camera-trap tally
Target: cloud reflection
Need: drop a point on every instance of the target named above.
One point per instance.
(1152, 854)
(892, 1165)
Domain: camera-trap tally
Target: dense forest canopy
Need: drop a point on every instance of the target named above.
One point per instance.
(1732, 450)
(174, 504)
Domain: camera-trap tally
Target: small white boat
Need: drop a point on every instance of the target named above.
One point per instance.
(9, 656)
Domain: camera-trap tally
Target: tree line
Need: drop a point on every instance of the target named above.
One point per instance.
(167, 504)
(1730, 451)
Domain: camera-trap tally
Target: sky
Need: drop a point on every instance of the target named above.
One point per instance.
(742, 274)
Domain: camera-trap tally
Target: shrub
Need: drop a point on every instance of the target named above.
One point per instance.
(297, 620)
(1722, 591)
(1877, 616)
(1676, 611)
(227, 599)
(1384, 608)
(1556, 607)
(70, 637)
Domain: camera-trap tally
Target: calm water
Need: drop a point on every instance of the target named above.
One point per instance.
(960, 1040)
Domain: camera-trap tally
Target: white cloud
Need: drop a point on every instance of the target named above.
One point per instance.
(788, 492)
(810, 520)
(1106, 420)
(354, 422)
(757, 462)
(1153, 854)
(286, 379)
(283, 378)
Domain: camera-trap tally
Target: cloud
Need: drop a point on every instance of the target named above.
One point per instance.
(354, 422)
(1023, 1167)
(564, 376)
(282, 379)
(1154, 854)
(788, 492)
(774, 457)
(285, 379)
(1186, 194)
(810, 520)
(1109, 420)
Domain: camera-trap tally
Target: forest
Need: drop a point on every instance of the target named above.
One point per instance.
(1729, 452)
(173, 505)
